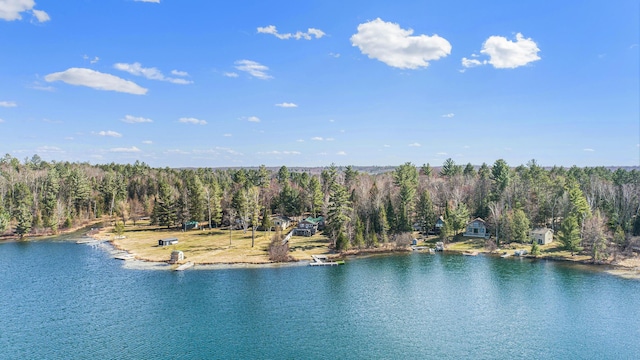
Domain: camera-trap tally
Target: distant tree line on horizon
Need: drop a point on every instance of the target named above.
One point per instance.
(592, 209)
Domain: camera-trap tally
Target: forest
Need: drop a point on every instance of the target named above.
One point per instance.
(595, 210)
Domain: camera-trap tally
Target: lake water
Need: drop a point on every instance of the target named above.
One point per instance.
(59, 300)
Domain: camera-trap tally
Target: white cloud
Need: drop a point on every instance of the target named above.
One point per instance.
(441, 153)
(331, 120)
(38, 86)
(147, 142)
(10, 10)
(230, 74)
(287, 105)
(253, 119)
(311, 32)
(317, 138)
(299, 140)
(227, 135)
(179, 73)
(109, 133)
(253, 68)
(177, 151)
(96, 80)
(190, 120)
(387, 146)
(150, 73)
(449, 115)
(507, 54)
(8, 104)
(149, 1)
(41, 15)
(135, 119)
(132, 149)
(49, 150)
(276, 152)
(588, 150)
(469, 63)
(334, 55)
(394, 46)
(415, 144)
(341, 153)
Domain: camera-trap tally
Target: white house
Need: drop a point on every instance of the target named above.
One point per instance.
(282, 221)
(542, 236)
(477, 228)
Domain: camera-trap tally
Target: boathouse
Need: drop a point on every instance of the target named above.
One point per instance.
(176, 256)
(167, 242)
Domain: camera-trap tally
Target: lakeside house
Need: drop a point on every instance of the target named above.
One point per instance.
(282, 221)
(176, 256)
(167, 242)
(477, 228)
(437, 227)
(309, 226)
(542, 236)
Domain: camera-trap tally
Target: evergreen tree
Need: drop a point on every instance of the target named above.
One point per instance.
(450, 169)
(520, 226)
(570, 235)
(164, 208)
(469, 171)
(339, 209)
(500, 177)
(426, 215)
(317, 197)
(24, 219)
(406, 178)
(426, 170)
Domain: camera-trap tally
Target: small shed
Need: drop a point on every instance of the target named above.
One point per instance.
(414, 242)
(190, 225)
(542, 236)
(176, 256)
(167, 242)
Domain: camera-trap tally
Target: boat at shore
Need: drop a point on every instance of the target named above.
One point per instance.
(323, 260)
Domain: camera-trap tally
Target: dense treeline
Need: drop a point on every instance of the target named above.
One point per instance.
(591, 209)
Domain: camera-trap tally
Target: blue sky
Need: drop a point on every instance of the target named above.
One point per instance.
(309, 83)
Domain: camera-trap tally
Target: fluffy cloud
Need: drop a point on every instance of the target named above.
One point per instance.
(8, 104)
(190, 120)
(588, 150)
(341, 153)
(507, 54)
(287, 105)
(49, 150)
(109, 133)
(150, 73)
(253, 68)
(10, 10)
(147, 142)
(135, 119)
(230, 74)
(96, 80)
(394, 46)
(179, 73)
(469, 63)
(253, 119)
(132, 149)
(311, 32)
(317, 138)
(449, 115)
(91, 61)
(415, 144)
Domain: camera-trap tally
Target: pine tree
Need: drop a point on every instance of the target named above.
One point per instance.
(570, 235)
(520, 226)
(426, 216)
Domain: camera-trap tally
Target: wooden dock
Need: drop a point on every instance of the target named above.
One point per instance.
(322, 260)
(185, 266)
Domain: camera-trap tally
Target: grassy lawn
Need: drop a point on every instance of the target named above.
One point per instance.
(210, 246)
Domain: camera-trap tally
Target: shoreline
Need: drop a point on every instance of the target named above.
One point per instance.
(628, 271)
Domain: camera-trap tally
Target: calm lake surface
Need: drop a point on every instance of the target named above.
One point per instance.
(59, 300)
